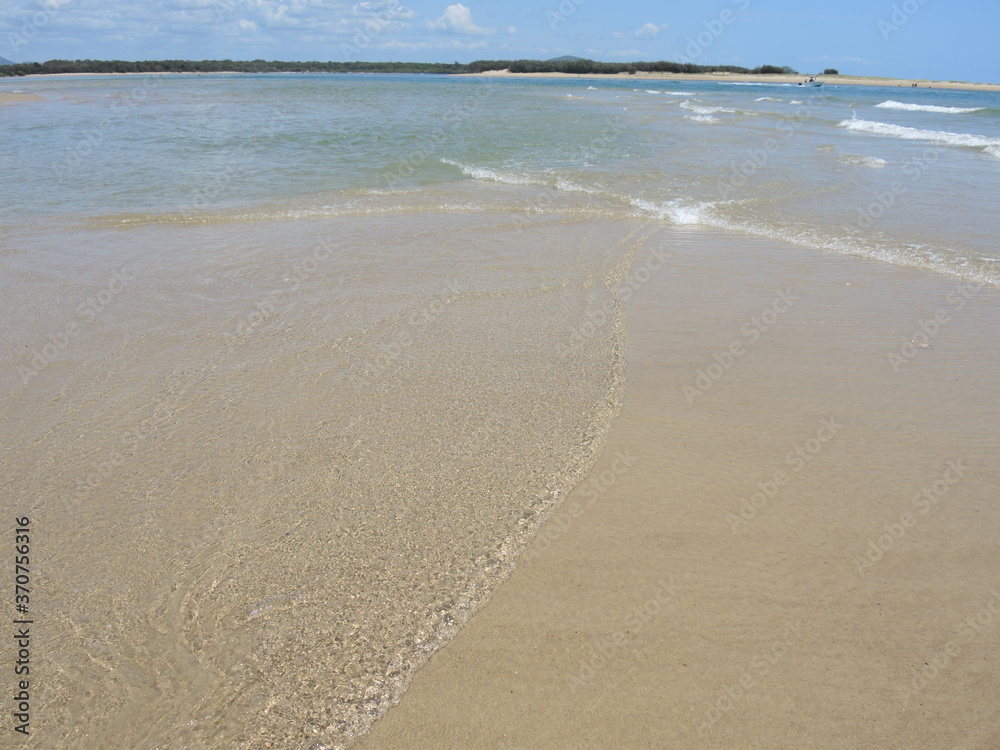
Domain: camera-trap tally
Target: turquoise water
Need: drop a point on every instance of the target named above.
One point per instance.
(813, 166)
(293, 367)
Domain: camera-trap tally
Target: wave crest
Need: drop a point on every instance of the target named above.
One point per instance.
(890, 104)
(970, 140)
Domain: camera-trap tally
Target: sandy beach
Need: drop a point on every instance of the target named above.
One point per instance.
(789, 541)
(838, 80)
(634, 418)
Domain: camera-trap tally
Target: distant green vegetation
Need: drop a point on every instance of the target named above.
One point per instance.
(574, 66)
(590, 66)
(221, 66)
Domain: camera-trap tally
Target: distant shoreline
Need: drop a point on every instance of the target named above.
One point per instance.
(830, 80)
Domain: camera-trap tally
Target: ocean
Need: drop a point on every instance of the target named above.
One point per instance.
(294, 366)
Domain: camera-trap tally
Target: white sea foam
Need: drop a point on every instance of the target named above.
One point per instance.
(572, 187)
(701, 118)
(675, 211)
(928, 108)
(513, 178)
(989, 145)
(700, 109)
(767, 99)
(872, 162)
(481, 173)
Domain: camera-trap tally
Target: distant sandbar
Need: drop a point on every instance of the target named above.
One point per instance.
(752, 78)
(6, 98)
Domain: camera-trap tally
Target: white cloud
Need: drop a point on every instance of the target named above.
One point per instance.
(458, 19)
(649, 31)
(512, 30)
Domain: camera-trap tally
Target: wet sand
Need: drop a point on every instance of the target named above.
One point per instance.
(795, 549)
(6, 98)
(830, 80)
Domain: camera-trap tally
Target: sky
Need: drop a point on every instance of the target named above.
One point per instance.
(935, 39)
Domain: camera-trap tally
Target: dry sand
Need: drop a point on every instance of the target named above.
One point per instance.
(639, 618)
(750, 78)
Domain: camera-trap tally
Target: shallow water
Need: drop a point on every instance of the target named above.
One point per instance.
(293, 366)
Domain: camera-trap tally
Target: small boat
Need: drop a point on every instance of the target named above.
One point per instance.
(810, 81)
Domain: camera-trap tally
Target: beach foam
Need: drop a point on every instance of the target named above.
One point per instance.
(702, 118)
(947, 138)
(891, 104)
(701, 109)
(872, 162)
(677, 211)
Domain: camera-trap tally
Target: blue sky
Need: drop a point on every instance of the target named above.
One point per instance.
(906, 38)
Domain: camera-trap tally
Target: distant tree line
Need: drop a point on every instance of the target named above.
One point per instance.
(578, 66)
(220, 66)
